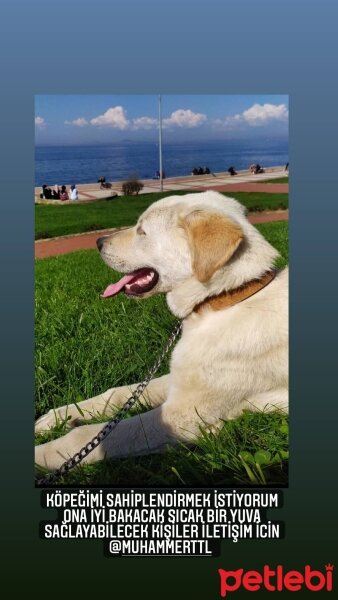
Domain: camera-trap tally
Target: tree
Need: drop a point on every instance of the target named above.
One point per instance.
(132, 186)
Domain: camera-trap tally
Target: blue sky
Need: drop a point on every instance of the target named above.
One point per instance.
(94, 119)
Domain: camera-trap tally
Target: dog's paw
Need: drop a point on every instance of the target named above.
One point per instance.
(58, 417)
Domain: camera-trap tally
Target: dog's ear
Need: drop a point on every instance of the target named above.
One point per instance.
(213, 238)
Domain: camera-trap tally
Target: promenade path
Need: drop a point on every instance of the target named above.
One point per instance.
(215, 181)
(223, 182)
(85, 241)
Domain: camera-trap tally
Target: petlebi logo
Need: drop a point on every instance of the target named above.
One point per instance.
(276, 579)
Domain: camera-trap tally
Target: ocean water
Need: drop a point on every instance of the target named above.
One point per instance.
(85, 164)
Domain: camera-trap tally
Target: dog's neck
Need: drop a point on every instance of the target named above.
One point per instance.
(184, 300)
(232, 297)
(252, 260)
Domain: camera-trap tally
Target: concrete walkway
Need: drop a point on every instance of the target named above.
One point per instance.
(84, 241)
(223, 182)
(215, 181)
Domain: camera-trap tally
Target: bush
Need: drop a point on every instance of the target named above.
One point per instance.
(132, 186)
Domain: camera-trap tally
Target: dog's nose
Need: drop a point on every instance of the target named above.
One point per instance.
(99, 242)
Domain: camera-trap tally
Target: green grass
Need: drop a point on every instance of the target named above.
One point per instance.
(54, 221)
(250, 450)
(278, 180)
(85, 345)
(255, 201)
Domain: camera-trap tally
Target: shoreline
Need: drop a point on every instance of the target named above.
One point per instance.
(89, 192)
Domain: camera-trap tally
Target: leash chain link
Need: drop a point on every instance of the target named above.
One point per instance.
(108, 428)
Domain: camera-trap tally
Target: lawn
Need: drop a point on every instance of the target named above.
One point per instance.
(54, 221)
(85, 345)
(278, 180)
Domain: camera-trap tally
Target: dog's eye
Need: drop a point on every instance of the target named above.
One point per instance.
(140, 231)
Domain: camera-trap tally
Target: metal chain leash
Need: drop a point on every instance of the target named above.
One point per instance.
(108, 428)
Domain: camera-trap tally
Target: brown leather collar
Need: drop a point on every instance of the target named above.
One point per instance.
(226, 299)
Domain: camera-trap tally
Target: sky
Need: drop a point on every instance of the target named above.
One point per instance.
(94, 119)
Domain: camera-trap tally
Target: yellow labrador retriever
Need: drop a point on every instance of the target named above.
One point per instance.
(216, 270)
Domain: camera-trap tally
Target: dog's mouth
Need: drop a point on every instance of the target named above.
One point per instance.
(136, 283)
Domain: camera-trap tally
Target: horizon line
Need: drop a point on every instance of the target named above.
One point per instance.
(155, 142)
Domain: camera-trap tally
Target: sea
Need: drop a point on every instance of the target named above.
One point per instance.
(116, 162)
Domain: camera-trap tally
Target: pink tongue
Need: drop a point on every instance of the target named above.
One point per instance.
(115, 288)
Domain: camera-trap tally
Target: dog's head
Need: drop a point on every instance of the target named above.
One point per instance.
(189, 247)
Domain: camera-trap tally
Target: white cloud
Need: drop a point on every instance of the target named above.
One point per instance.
(178, 118)
(261, 114)
(113, 117)
(256, 116)
(229, 122)
(144, 123)
(40, 122)
(184, 118)
(80, 122)
(116, 117)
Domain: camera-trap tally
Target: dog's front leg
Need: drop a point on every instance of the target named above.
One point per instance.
(146, 433)
(104, 404)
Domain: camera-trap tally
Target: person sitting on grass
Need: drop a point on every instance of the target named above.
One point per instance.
(73, 193)
(64, 194)
(46, 193)
(56, 192)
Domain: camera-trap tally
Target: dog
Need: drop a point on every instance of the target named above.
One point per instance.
(216, 270)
